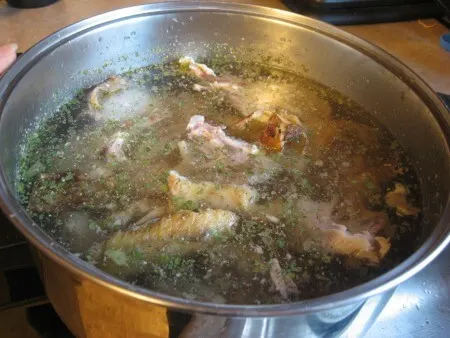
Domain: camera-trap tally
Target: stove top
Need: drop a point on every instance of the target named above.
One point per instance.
(350, 12)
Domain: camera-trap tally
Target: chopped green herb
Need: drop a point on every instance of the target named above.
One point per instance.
(369, 184)
(117, 256)
(69, 176)
(220, 166)
(181, 204)
(137, 254)
(167, 149)
(93, 226)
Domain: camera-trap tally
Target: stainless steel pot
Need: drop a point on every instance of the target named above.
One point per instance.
(95, 304)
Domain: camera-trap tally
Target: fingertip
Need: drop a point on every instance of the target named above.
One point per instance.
(6, 61)
(7, 49)
(14, 46)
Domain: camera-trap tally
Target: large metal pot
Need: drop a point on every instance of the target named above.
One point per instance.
(95, 304)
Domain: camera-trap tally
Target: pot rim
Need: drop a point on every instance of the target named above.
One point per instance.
(429, 250)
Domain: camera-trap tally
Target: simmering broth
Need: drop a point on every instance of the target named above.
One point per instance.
(240, 184)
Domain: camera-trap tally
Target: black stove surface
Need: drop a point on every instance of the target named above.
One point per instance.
(350, 12)
(24, 308)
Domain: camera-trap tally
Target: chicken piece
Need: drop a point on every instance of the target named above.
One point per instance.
(203, 72)
(275, 128)
(228, 197)
(333, 237)
(283, 283)
(280, 129)
(364, 246)
(397, 199)
(181, 233)
(200, 70)
(183, 225)
(215, 139)
(197, 127)
(114, 150)
(110, 86)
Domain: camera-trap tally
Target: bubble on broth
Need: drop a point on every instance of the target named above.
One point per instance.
(127, 104)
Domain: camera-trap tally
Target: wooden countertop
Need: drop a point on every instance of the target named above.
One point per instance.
(414, 43)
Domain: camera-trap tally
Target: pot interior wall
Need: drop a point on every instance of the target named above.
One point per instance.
(68, 61)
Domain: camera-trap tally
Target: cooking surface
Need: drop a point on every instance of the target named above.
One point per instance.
(421, 306)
